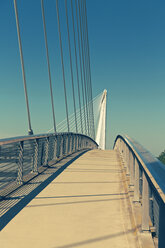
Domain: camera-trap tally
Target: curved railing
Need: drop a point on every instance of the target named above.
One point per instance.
(23, 157)
(147, 178)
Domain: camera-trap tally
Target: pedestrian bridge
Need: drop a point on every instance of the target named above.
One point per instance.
(80, 195)
(62, 189)
(87, 205)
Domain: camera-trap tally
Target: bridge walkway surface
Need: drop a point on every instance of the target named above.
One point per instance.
(87, 205)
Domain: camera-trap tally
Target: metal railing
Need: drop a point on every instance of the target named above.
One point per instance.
(147, 178)
(24, 156)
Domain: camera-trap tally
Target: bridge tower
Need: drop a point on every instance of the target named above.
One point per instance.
(100, 134)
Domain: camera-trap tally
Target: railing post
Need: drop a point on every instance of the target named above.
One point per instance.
(20, 164)
(61, 147)
(127, 161)
(55, 148)
(125, 156)
(35, 165)
(75, 142)
(136, 182)
(131, 169)
(145, 204)
(69, 142)
(78, 142)
(82, 142)
(81, 145)
(73, 145)
(51, 148)
(66, 145)
(46, 151)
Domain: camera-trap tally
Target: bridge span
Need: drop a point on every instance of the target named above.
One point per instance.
(62, 189)
(87, 205)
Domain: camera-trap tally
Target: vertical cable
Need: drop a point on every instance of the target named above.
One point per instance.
(78, 35)
(71, 68)
(62, 63)
(47, 55)
(78, 83)
(86, 67)
(82, 48)
(30, 131)
(89, 68)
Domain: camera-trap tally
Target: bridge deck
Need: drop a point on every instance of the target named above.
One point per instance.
(85, 206)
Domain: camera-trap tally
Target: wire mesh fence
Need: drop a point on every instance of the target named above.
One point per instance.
(20, 157)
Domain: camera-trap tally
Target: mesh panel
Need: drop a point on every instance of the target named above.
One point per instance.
(19, 160)
(8, 164)
(28, 156)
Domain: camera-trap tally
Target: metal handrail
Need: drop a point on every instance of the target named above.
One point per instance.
(25, 155)
(32, 137)
(147, 179)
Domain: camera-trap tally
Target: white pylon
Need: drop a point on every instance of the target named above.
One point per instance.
(100, 135)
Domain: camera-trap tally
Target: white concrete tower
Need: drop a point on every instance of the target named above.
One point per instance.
(100, 135)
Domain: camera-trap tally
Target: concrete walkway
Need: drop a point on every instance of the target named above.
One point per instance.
(85, 206)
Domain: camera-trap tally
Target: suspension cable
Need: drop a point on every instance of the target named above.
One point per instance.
(86, 65)
(78, 35)
(87, 68)
(75, 50)
(62, 63)
(63, 125)
(71, 68)
(86, 22)
(82, 49)
(30, 131)
(48, 63)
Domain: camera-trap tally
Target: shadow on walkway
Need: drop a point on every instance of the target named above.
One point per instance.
(12, 204)
(89, 241)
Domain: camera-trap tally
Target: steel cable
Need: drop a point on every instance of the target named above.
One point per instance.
(84, 38)
(78, 83)
(62, 126)
(86, 22)
(30, 131)
(62, 63)
(48, 63)
(78, 35)
(71, 67)
(82, 51)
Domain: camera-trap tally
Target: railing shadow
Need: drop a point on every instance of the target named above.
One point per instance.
(11, 205)
(94, 240)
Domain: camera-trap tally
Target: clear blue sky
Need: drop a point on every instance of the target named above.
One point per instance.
(127, 48)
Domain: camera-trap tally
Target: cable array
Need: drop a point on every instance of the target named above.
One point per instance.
(74, 15)
(62, 126)
(47, 56)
